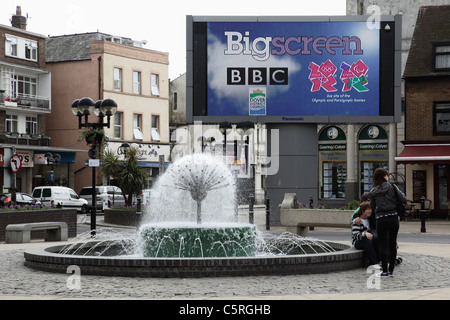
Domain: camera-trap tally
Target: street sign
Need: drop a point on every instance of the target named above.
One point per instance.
(96, 163)
(16, 163)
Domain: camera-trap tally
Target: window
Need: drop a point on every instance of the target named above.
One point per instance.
(155, 84)
(441, 116)
(137, 132)
(21, 48)
(31, 125)
(441, 53)
(11, 46)
(118, 125)
(155, 128)
(117, 79)
(31, 50)
(11, 123)
(24, 86)
(136, 82)
(175, 101)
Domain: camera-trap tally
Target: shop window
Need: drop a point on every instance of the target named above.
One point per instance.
(373, 154)
(333, 162)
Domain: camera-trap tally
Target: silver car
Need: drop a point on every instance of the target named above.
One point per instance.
(106, 196)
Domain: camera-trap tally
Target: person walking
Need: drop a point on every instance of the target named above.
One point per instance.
(383, 200)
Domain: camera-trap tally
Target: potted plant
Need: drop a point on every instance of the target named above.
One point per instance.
(94, 136)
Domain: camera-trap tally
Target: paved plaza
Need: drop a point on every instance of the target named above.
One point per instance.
(424, 274)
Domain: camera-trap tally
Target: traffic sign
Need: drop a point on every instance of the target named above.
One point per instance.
(16, 163)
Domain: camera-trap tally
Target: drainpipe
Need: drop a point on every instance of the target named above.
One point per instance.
(100, 97)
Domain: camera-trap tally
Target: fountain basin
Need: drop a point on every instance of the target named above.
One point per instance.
(194, 240)
(49, 259)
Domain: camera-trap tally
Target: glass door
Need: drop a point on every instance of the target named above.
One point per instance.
(441, 182)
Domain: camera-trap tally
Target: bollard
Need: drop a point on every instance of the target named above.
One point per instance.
(251, 212)
(267, 213)
(311, 205)
(139, 205)
(422, 214)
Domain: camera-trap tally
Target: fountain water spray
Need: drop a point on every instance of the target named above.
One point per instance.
(199, 175)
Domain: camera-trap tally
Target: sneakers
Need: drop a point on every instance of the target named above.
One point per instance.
(385, 274)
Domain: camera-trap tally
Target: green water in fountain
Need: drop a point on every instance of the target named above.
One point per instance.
(198, 241)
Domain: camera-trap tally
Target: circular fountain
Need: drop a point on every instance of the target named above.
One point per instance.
(191, 230)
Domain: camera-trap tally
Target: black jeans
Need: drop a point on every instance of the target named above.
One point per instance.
(370, 247)
(387, 228)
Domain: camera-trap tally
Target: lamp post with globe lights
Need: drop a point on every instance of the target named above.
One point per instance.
(83, 108)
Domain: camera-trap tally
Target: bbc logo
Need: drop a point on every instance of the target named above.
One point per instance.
(257, 76)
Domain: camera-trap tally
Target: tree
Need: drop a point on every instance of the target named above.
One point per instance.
(132, 179)
(111, 166)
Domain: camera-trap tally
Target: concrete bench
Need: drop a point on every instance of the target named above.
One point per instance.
(299, 220)
(21, 233)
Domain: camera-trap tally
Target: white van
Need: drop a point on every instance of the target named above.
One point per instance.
(106, 196)
(60, 196)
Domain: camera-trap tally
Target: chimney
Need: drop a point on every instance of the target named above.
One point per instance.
(19, 21)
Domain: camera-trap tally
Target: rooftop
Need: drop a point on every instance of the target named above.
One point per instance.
(432, 26)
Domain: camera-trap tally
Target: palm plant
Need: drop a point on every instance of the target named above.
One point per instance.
(111, 166)
(131, 177)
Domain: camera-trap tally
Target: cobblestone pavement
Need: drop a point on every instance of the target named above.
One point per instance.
(417, 272)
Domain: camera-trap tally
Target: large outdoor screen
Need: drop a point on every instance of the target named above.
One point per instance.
(284, 71)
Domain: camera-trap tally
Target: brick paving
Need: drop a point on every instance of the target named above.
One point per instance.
(418, 272)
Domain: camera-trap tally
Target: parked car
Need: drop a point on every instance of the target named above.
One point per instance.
(21, 199)
(106, 196)
(60, 196)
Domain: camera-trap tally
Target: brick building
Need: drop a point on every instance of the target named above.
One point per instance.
(427, 120)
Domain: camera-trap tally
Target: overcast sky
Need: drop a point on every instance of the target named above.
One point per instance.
(161, 23)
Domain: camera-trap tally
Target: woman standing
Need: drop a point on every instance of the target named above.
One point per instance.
(383, 200)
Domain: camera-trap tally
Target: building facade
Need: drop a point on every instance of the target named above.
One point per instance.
(102, 66)
(25, 100)
(427, 129)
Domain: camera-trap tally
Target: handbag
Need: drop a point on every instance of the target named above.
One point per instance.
(399, 207)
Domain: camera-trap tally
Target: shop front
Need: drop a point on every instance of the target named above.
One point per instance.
(151, 157)
(38, 167)
(373, 154)
(332, 163)
(427, 174)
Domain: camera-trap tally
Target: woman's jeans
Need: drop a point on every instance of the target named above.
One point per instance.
(387, 229)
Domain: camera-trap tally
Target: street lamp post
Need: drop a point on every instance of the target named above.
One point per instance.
(82, 108)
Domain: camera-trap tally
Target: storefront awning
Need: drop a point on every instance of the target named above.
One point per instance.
(424, 153)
